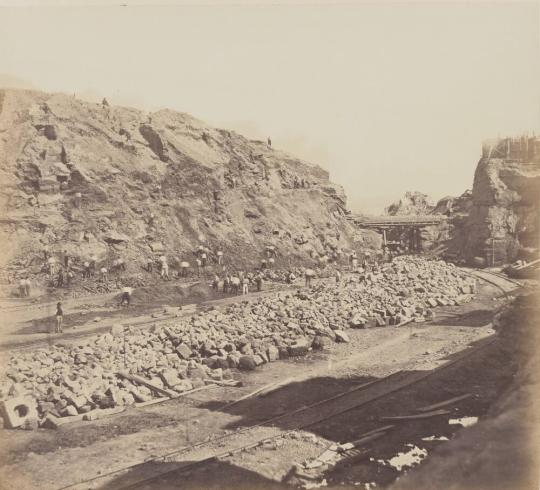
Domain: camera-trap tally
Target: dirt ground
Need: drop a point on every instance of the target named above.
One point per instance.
(84, 450)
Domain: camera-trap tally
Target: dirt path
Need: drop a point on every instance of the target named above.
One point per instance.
(88, 316)
(87, 450)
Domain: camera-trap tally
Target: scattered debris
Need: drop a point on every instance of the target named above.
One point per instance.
(406, 459)
(435, 438)
(464, 421)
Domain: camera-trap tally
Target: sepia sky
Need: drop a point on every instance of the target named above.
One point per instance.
(388, 97)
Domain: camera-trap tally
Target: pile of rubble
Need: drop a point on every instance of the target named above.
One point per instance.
(68, 380)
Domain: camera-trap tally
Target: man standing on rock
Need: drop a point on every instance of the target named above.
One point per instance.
(59, 316)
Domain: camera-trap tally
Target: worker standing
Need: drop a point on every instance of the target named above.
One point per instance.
(263, 264)
(198, 262)
(22, 288)
(69, 277)
(165, 271)
(309, 274)
(93, 264)
(245, 285)
(60, 278)
(126, 296)
(215, 282)
(59, 316)
(52, 266)
(27, 285)
(86, 269)
(203, 258)
(259, 281)
(219, 257)
(103, 274)
(184, 266)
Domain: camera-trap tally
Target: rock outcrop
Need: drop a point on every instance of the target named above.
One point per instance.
(503, 223)
(412, 203)
(76, 173)
(499, 220)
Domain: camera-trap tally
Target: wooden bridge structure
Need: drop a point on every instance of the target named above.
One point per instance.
(407, 228)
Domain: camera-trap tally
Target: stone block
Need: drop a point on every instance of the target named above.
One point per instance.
(299, 348)
(16, 410)
(247, 363)
(68, 411)
(341, 336)
(184, 352)
(273, 353)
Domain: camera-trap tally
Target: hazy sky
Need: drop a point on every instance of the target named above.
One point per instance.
(388, 97)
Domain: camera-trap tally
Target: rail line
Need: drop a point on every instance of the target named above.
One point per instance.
(315, 413)
(481, 274)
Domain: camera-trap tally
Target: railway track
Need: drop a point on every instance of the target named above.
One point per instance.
(148, 473)
(495, 279)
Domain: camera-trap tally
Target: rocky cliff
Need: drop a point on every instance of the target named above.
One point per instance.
(498, 221)
(115, 181)
(503, 222)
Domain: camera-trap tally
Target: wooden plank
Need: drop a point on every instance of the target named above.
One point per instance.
(450, 401)
(418, 416)
(140, 380)
(231, 382)
(253, 393)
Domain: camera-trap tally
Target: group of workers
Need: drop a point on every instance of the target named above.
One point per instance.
(202, 260)
(238, 282)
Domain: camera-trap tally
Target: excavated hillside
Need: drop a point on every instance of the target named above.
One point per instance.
(114, 181)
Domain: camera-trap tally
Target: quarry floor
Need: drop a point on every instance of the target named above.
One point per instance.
(102, 450)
